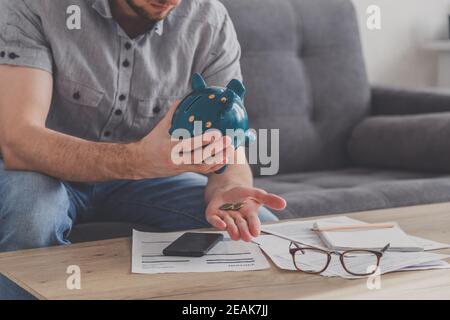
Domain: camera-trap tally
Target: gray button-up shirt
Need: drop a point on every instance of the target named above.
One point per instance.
(108, 87)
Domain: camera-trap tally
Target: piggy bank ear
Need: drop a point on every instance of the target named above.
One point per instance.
(197, 82)
(237, 87)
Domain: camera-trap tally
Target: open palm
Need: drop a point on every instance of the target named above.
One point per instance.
(243, 224)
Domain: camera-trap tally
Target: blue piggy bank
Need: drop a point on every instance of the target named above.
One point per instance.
(214, 108)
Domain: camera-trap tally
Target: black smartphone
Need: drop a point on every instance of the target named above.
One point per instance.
(193, 244)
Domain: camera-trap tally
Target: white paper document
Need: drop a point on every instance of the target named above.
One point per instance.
(227, 255)
(373, 239)
(438, 264)
(300, 231)
(429, 245)
(278, 250)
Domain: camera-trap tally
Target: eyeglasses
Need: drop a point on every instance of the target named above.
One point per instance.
(356, 262)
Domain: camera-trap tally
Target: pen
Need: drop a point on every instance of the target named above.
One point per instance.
(356, 226)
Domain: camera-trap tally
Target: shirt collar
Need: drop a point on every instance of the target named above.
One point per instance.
(103, 8)
(159, 27)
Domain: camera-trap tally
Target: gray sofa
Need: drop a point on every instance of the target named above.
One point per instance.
(345, 146)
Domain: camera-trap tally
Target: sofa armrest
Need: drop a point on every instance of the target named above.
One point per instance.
(407, 142)
(395, 101)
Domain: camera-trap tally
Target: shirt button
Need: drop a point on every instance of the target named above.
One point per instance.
(118, 112)
(13, 55)
(128, 46)
(156, 110)
(126, 63)
(2, 54)
(77, 95)
(122, 97)
(107, 133)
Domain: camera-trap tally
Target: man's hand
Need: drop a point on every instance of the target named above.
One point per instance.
(243, 224)
(154, 152)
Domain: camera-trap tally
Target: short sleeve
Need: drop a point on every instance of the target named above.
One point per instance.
(22, 40)
(223, 62)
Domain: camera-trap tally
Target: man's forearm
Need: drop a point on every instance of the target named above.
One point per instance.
(68, 158)
(236, 175)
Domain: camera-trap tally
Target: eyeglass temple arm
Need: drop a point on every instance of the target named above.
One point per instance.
(294, 243)
(385, 248)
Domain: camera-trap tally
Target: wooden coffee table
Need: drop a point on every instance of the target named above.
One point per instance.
(106, 271)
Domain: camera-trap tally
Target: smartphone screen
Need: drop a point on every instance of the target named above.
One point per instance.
(193, 244)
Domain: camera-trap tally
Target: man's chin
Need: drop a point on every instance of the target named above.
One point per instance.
(162, 15)
(145, 14)
(155, 17)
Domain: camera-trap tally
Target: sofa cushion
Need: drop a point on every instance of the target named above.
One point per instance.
(303, 67)
(407, 142)
(354, 189)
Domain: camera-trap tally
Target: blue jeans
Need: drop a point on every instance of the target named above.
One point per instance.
(39, 211)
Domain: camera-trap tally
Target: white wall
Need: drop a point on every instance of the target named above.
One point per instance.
(393, 54)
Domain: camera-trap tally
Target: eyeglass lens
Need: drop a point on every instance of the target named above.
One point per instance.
(358, 263)
(310, 260)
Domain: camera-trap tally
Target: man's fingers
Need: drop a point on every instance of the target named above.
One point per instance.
(273, 201)
(254, 224)
(214, 150)
(222, 157)
(217, 222)
(198, 142)
(262, 197)
(217, 148)
(241, 223)
(211, 164)
(232, 229)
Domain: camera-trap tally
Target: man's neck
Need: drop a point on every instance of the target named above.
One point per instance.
(133, 24)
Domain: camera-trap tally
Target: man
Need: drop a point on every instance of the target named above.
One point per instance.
(85, 113)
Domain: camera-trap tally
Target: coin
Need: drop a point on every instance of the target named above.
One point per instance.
(227, 206)
(238, 206)
(232, 206)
